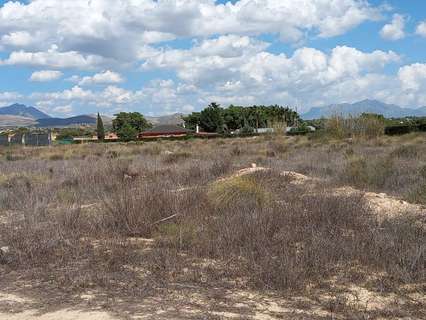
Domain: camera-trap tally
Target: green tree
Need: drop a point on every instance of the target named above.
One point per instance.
(100, 130)
(211, 118)
(192, 120)
(234, 117)
(127, 125)
(127, 133)
(69, 133)
(216, 119)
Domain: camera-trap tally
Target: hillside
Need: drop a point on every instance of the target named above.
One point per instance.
(367, 106)
(15, 121)
(23, 111)
(175, 119)
(59, 122)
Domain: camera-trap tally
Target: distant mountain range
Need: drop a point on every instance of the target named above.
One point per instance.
(21, 110)
(60, 122)
(19, 115)
(365, 106)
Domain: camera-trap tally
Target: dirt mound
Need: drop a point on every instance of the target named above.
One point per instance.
(380, 203)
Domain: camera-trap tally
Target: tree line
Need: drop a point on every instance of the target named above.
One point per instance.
(214, 118)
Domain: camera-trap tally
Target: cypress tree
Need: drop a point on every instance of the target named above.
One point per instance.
(100, 130)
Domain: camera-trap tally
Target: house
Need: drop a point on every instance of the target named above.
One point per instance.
(110, 137)
(165, 131)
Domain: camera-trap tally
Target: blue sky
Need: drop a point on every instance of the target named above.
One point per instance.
(70, 57)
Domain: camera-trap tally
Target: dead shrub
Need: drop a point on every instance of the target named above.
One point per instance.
(176, 157)
(41, 240)
(355, 171)
(56, 157)
(300, 238)
(405, 151)
(276, 147)
(220, 167)
(363, 173)
(258, 230)
(368, 127)
(133, 211)
(418, 195)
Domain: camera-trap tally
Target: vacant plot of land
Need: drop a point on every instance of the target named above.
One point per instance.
(257, 228)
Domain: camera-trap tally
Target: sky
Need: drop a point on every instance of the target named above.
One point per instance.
(69, 57)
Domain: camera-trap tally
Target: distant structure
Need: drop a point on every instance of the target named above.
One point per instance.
(109, 137)
(4, 140)
(26, 139)
(16, 139)
(165, 131)
(37, 139)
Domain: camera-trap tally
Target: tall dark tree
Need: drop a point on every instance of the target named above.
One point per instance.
(211, 118)
(100, 130)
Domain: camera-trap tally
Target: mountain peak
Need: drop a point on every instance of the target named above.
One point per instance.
(22, 110)
(364, 106)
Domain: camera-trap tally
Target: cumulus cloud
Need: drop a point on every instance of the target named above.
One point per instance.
(8, 97)
(17, 39)
(226, 60)
(63, 110)
(106, 77)
(413, 77)
(117, 30)
(421, 29)
(247, 75)
(216, 64)
(395, 30)
(45, 76)
(54, 59)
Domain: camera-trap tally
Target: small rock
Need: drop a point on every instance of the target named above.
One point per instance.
(253, 165)
(5, 250)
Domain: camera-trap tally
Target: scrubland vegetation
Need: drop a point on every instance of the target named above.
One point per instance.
(171, 221)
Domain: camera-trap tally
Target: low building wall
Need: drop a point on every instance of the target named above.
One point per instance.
(37, 139)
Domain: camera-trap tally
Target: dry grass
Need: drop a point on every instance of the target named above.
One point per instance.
(138, 217)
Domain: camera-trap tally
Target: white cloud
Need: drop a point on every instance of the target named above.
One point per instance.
(45, 76)
(17, 39)
(155, 37)
(216, 64)
(75, 93)
(9, 97)
(395, 30)
(309, 77)
(225, 60)
(106, 77)
(84, 30)
(421, 29)
(63, 110)
(413, 77)
(54, 59)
